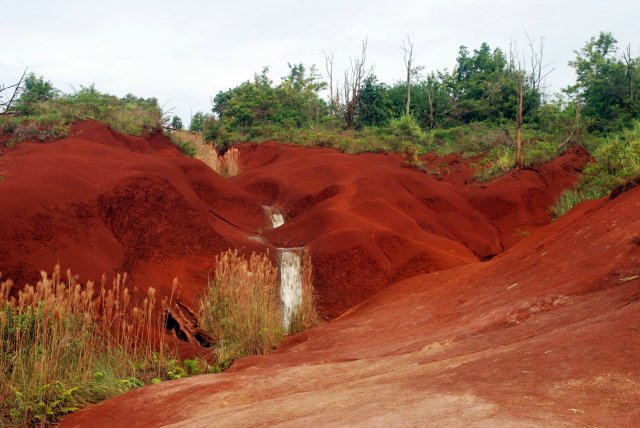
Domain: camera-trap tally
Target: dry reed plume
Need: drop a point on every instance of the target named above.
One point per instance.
(242, 308)
(226, 165)
(305, 316)
(64, 345)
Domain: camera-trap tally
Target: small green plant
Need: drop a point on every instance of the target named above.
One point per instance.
(186, 145)
(63, 345)
(498, 161)
(568, 199)
(616, 161)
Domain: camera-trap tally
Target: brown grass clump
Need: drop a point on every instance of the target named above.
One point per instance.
(305, 316)
(241, 309)
(194, 143)
(64, 345)
(231, 161)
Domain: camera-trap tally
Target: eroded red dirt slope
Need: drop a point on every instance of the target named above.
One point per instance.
(369, 221)
(101, 202)
(545, 334)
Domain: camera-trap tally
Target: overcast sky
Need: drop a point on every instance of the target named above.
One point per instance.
(184, 51)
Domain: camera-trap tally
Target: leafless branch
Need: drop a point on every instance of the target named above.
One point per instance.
(5, 106)
(353, 78)
(408, 58)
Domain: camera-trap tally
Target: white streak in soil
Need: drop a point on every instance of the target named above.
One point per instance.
(290, 267)
(290, 283)
(276, 218)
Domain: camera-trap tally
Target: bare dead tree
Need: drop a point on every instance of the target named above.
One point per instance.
(328, 64)
(629, 61)
(5, 106)
(519, 74)
(408, 58)
(539, 70)
(353, 78)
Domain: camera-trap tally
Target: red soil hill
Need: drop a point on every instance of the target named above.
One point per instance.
(370, 221)
(101, 202)
(545, 334)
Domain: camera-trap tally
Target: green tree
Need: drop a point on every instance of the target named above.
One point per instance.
(176, 122)
(197, 122)
(298, 97)
(606, 86)
(254, 104)
(35, 90)
(374, 108)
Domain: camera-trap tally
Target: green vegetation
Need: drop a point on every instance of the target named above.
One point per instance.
(470, 110)
(616, 161)
(43, 113)
(242, 310)
(64, 346)
(607, 86)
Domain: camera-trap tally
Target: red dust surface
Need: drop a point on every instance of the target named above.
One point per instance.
(545, 331)
(545, 334)
(101, 202)
(369, 221)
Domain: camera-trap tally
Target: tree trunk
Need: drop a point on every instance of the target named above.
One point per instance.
(520, 96)
(408, 59)
(406, 110)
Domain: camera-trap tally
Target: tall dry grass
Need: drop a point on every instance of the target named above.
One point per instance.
(231, 162)
(305, 316)
(65, 345)
(227, 165)
(242, 310)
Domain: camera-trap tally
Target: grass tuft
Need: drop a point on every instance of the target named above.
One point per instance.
(242, 308)
(194, 145)
(64, 345)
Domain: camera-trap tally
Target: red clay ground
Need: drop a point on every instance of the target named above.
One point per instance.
(545, 334)
(368, 221)
(101, 202)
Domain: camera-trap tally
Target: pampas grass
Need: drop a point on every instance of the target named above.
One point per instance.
(65, 345)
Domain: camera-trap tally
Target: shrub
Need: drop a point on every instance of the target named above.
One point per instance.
(305, 315)
(499, 160)
(186, 142)
(241, 307)
(64, 345)
(616, 161)
(49, 116)
(406, 128)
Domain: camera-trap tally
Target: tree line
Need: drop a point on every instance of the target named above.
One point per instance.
(483, 85)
